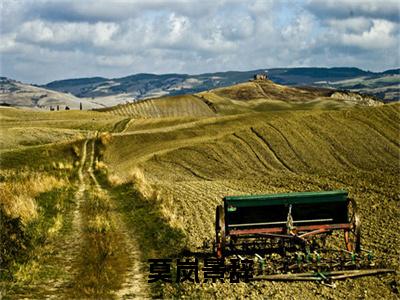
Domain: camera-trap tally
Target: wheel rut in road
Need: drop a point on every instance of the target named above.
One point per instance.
(94, 255)
(110, 261)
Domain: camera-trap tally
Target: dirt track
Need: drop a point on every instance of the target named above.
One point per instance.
(98, 257)
(133, 284)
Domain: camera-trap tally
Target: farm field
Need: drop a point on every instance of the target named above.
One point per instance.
(140, 181)
(272, 153)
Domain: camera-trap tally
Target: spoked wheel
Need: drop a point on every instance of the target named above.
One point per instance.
(352, 237)
(220, 238)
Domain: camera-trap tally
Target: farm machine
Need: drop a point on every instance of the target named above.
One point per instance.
(295, 236)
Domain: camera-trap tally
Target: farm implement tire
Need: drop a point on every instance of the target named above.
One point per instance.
(352, 236)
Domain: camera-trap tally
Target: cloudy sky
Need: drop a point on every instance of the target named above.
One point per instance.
(43, 40)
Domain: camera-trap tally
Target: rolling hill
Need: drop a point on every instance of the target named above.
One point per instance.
(87, 197)
(189, 165)
(256, 95)
(18, 94)
(384, 85)
(97, 92)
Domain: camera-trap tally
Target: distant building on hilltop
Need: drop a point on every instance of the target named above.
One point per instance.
(260, 77)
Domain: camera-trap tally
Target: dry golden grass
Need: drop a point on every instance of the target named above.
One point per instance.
(138, 178)
(21, 137)
(17, 195)
(53, 123)
(105, 138)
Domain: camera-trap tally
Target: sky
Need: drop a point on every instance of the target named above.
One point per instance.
(46, 40)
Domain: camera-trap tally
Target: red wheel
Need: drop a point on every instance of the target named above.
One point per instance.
(220, 237)
(352, 237)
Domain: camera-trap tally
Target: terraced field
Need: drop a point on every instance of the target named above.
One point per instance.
(142, 181)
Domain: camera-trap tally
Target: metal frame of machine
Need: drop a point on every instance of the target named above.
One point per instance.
(293, 216)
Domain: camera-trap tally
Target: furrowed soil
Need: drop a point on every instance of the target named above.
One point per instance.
(191, 166)
(136, 184)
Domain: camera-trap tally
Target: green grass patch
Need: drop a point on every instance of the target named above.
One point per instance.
(103, 259)
(120, 126)
(157, 239)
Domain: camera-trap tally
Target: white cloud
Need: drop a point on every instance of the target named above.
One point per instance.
(351, 25)
(379, 36)
(115, 61)
(178, 25)
(120, 37)
(299, 33)
(7, 43)
(43, 32)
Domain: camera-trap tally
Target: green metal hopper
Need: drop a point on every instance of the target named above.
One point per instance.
(289, 215)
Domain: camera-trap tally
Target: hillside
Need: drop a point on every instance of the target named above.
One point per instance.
(300, 142)
(385, 87)
(17, 94)
(140, 86)
(87, 197)
(174, 106)
(258, 95)
(97, 92)
(189, 165)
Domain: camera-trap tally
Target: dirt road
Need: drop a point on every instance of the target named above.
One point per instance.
(100, 225)
(97, 256)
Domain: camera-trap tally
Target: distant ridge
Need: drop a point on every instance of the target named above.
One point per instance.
(97, 92)
(392, 72)
(384, 85)
(18, 94)
(60, 83)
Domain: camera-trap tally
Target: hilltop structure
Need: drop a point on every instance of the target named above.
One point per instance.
(260, 77)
